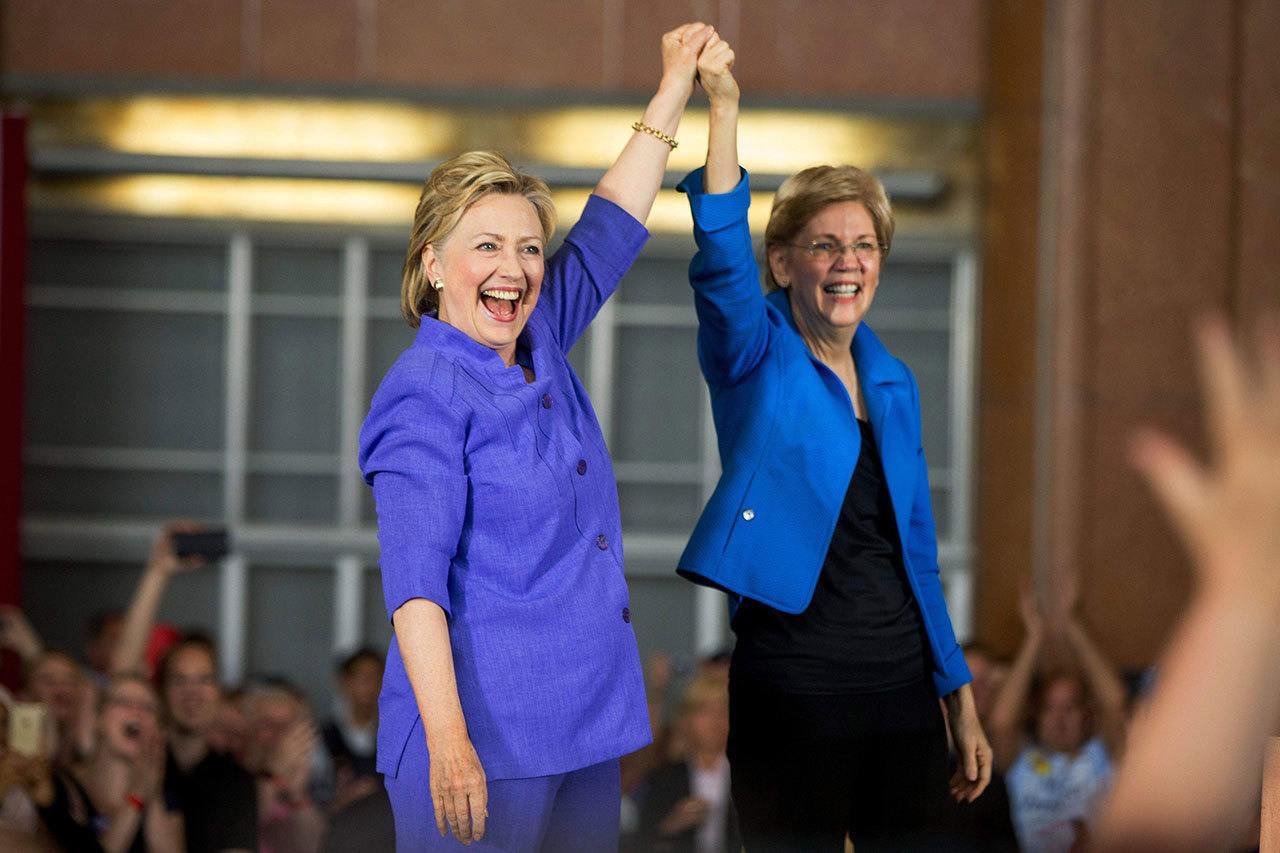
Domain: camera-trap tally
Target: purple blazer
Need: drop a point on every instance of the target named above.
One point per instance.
(496, 500)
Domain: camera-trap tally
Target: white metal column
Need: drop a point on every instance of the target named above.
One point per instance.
(233, 579)
(964, 321)
(348, 592)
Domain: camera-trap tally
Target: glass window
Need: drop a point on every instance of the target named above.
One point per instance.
(117, 379)
(127, 264)
(293, 404)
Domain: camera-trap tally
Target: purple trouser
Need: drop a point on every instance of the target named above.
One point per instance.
(576, 811)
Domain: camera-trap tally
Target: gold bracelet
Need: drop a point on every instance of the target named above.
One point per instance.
(641, 127)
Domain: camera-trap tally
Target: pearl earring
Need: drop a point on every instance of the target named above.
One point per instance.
(438, 284)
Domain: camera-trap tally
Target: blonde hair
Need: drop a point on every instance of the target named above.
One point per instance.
(808, 191)
(450, 189)
(702, 690)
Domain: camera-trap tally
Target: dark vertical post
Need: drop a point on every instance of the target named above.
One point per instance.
(13, 272)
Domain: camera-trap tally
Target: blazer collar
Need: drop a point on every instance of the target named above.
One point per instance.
(875, 364)
(455, 345)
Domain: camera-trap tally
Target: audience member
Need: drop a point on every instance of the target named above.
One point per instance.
(351, 737)
(285, 752)
(114, 800)
(218, 797)
(1191, 775)
(686, 806)
(54, 679)
(1057, 775)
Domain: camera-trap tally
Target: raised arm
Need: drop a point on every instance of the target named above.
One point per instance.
(1009, 710)
(162, 565)
(715, 71)
(1194, 759)
(732, 327)
(633, 180)
(1105, 686)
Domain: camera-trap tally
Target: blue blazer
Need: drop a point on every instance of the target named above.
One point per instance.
(788, 441)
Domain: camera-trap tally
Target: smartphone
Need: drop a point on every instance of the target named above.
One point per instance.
(209, 544)
(28, 722)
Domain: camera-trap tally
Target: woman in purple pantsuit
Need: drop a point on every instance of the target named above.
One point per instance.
(514, 682)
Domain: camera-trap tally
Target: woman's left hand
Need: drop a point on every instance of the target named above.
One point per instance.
(974, 773)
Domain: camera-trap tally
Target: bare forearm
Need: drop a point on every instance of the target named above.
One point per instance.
(633, 180)
(722, 173)
(1194, 760)
(1104, 682)
(139, 619)
(422, 630)
(1011, 702)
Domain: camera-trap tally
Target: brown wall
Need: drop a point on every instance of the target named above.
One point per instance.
(1162, 187)
(877, 48)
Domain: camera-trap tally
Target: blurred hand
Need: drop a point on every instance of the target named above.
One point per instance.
(290, 762)
(164, 558)
(659, 669)
(16, 633)
(680, 49)
(147, 769)
(1227, 513)
(684, 815)
(715, 70)
(32, 773)
(459, 789)
(1029, 609)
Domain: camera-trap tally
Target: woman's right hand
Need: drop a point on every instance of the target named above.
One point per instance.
(715, 70)
(680, 49)
(459, 791)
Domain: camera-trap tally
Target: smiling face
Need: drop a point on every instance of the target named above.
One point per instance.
(130, 716)
(830, 296)
(191, 690)
(1062, 721)
(492, 266)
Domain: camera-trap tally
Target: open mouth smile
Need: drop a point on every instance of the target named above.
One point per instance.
(843, 291)
(501, 302)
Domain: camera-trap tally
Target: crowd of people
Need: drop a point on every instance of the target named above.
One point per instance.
(142, 747)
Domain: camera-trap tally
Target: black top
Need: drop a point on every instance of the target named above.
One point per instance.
(219, 802)
(347, 760)
(862, 632)
(75, 823)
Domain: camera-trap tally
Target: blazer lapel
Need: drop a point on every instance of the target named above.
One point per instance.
(883, 381)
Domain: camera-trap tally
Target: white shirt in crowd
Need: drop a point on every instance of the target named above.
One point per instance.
(712, 786)
(1053, 794)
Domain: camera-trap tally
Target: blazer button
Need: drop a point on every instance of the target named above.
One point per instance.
(582, 467)
(546, 401)
(748, 514)
(626, 614)
(602, 542)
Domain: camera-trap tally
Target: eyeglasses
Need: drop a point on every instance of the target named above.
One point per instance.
(829, 250)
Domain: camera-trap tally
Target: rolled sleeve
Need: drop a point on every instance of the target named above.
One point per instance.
(586, 270)
(411, 453)
(716, 211)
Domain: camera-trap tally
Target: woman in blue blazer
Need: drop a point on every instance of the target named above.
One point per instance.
(820, 528)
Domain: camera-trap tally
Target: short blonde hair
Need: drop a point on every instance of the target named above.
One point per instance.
(450, 189)
(805, 193)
